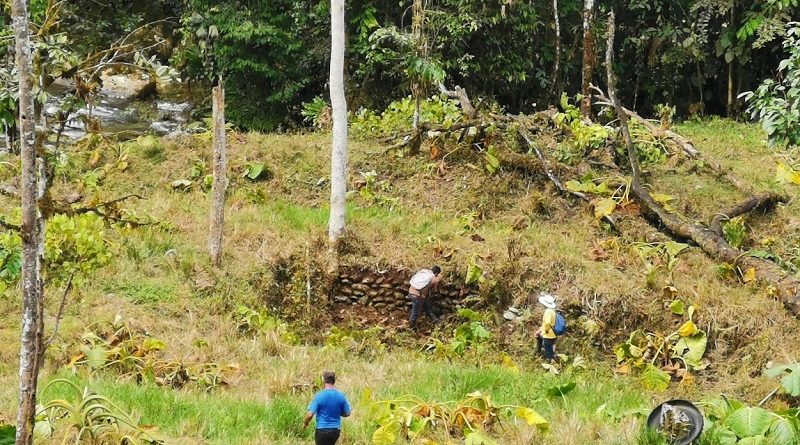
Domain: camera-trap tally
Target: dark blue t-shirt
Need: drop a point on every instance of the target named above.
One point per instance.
(329, 405)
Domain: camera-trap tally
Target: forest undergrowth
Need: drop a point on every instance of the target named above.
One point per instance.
(192, 354)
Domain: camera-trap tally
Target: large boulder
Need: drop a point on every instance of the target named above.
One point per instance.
(127, 86)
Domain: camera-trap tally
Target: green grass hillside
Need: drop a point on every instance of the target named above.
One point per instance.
(237, 376)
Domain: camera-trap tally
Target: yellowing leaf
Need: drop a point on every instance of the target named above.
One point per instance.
(674, 248)
(153, 344)
(532, 418)
(677, 307)
(786, 175)
(654, 378)
(574, 186)
(749, 275)
(386, 434)
(692, 349)
(604, 207)
(663, 199)
(591, 327)
(509, 364)
(688, 329)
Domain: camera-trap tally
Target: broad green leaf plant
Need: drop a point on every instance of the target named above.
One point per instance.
(408, 418)
(659, 357)
(776, 102)
(730, 422)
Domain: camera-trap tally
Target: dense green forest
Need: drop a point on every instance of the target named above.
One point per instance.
(696, 55)
(205, 204)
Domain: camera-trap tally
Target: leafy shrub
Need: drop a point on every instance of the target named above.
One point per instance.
(75, 245)
(364, 343)
(585, 136)
(734, 232)
(398, 116)
(658, 357)
(130, 354)
(374, 191)
(317, 112)
(10, 259)
(89, 418)
(665, 113)
(470, 337)
(650, 149)
(776, 103)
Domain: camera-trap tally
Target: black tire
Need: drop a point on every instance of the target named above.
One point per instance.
(692, 412)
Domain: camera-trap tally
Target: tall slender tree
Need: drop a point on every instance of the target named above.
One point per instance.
(220, 175)
(420, 49)
(557, 66)
(339, 138)
(589, 55)
(32, 232)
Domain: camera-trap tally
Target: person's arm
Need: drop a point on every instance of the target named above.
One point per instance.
(346, 411)
(307, 420)
(435, 283)
(548, 321)
(430, 288)
(312, 409)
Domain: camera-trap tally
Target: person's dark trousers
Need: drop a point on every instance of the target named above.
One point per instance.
(326, 436)
(549, 345)
(424, 304)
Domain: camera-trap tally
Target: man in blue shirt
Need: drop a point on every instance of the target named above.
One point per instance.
(329, 405)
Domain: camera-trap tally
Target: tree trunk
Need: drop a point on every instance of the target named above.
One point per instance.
(339, 137)
(589, 56)
(557, 67)
(220, 172)
(729, 107)
(32, 233)
(417, 90)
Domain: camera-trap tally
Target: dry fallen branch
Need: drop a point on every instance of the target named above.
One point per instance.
(461, 95)
(60, 313)
(787, 286)
(527, 137)
(760, 201)
(109, 216)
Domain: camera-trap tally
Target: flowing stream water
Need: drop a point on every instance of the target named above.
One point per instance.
(121, 113)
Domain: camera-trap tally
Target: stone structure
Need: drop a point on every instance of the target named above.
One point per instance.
(389, 290)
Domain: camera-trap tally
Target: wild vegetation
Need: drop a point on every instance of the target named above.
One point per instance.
(671, 242)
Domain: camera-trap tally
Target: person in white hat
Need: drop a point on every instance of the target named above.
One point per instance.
(545, 335)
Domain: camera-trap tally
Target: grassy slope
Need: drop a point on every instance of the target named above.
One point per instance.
(157, 283)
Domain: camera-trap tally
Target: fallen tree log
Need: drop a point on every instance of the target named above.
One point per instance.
(711, 242)
(685, 145)
(760, 201)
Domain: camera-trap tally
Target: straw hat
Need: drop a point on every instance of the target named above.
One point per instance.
(547, 301)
